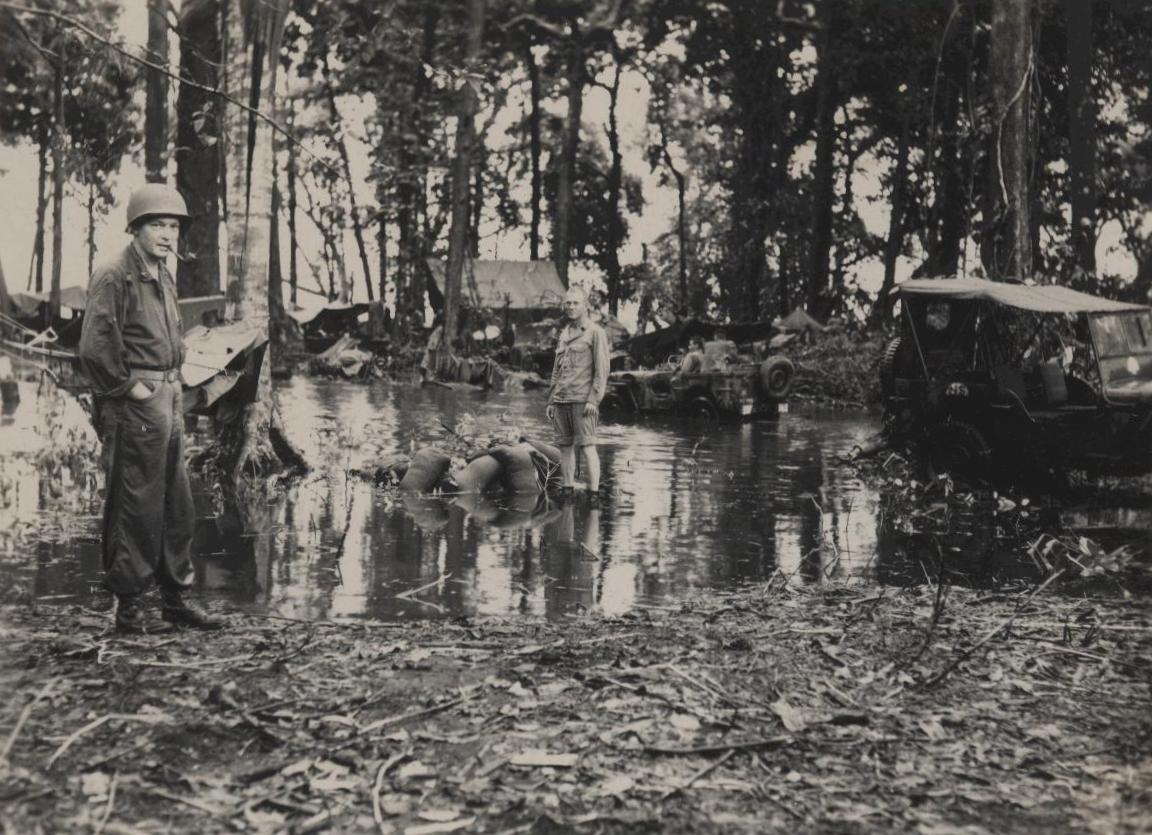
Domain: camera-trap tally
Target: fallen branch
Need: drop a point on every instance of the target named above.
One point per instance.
(24, 715)
(96, 723)
(1002, 627)
(415, 714)
(108, 807)
(767, 742)
(378, 786)
(712, 766)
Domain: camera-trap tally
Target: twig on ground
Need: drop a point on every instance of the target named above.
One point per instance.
(712, 766)
(108, 807)
(378, 786)
(24, 716)
(767, 742)
(96, 723)
(1005, 625)
(415, 714)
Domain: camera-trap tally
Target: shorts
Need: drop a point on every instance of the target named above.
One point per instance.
(572, 426)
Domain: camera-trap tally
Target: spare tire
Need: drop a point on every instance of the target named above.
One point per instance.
(776, 376)
(474, 478)
(427, 468)
(888, 367)
(517, 469)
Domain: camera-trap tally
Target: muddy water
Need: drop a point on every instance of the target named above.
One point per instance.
(692, 507)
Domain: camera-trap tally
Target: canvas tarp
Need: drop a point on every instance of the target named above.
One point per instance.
(494, 285)
(1037, 298)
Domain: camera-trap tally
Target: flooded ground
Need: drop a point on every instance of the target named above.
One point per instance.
(692, 506)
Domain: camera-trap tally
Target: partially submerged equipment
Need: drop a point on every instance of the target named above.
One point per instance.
(524, 467)
(428, 466)
(1002, 378)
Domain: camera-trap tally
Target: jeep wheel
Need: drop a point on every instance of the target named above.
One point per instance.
(888, 368)
(957, 447)
(776, 377)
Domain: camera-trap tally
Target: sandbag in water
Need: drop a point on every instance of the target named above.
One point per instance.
(428, 466)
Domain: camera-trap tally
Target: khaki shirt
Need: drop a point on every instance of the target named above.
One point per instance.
(132, 321)
(580, 374)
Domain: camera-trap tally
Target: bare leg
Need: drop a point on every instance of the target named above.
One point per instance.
(592, 467)
(568, 465)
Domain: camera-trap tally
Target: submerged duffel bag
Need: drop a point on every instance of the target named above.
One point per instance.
(480, 473)
(427, 468)
(518, 471)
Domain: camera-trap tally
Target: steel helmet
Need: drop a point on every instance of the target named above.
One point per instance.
(155, 199)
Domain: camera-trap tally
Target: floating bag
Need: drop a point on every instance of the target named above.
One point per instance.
(518, 470)
(477, 475)
(428, 466)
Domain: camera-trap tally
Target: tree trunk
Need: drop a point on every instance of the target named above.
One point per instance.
(5, 299)
(823, 186)
(199, 164)
(948, 217)
(468, 106)
(346, 165)
(293, 274)
(410, 197)
(254, 442)
(615, 188)
(477, 215)
(566, 170)
(1007, 250)
(686, 303)
(534, 148)
(382, 244)
(156, 95)
(41, 211)
(1082, 134)
(91, 206)
(895, 242)
(59, 138)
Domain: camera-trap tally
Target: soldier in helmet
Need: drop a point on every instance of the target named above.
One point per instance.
(131, 349)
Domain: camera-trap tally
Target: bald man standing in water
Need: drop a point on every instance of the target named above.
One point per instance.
(579, 380)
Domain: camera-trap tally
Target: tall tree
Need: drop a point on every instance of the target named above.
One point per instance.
(535, 151)
(577, 35)
(827, 101)
(468, 106)
(1081, 134)
(255, 441)
(199, 161)
(1007, 249)
(156, 94)
(340, 140)
(59, 176)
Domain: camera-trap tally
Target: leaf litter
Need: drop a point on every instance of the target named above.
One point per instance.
(769, 707)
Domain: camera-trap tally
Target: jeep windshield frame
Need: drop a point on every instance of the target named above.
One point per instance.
(1123, 346)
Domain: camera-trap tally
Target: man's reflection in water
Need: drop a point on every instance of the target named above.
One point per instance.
(572, 560)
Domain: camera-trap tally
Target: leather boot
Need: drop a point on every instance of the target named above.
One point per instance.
(131, 618)
(178, 612)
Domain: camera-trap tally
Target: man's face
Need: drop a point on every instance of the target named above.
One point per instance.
(157, 237)
(573, 306)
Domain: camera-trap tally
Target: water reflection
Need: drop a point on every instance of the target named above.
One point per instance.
(691, 507)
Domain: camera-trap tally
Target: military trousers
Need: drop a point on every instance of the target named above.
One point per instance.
(149, 516)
